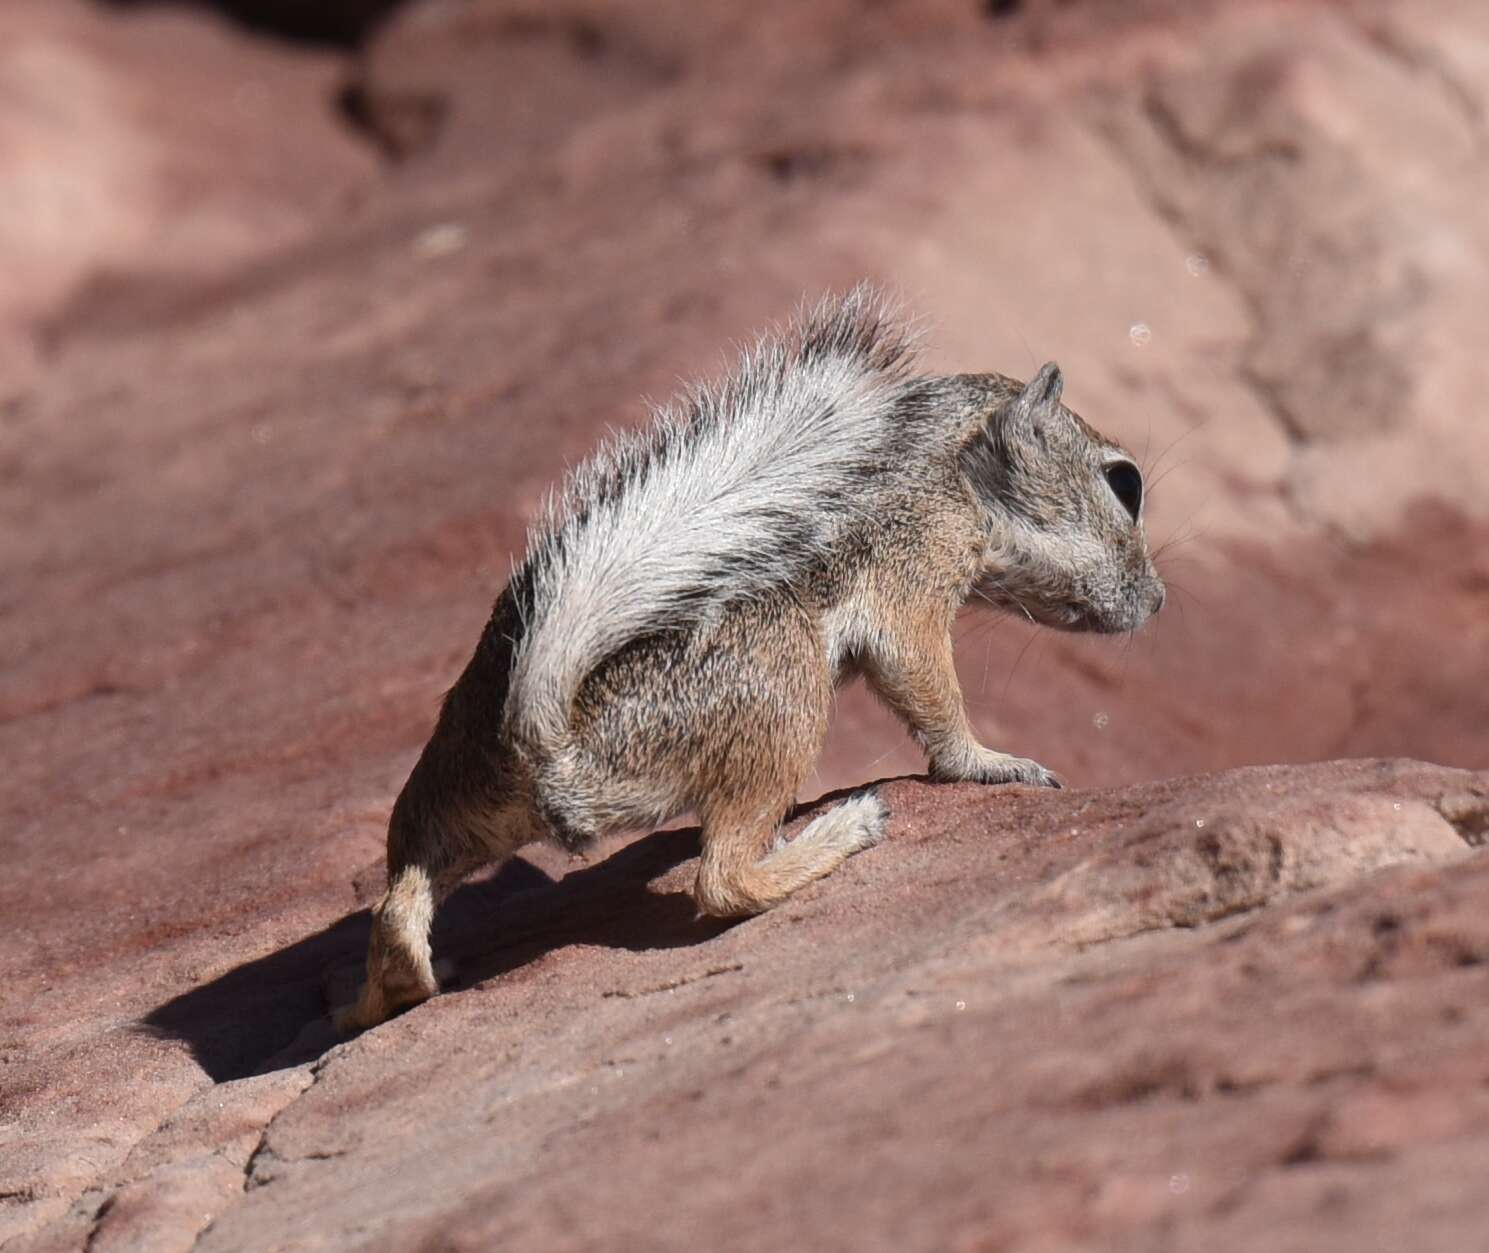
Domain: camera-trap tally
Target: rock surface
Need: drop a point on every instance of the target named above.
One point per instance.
(157, 148)
(943, 1046)
(291, 344)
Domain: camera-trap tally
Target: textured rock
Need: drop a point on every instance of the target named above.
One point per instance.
(278, 416)
(160, 147)
(939, 1047)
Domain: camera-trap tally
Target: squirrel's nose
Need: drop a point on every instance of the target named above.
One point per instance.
(1159, 596)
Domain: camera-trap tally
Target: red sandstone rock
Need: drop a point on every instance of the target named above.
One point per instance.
(939, 1046)
(273, 444)
(158, 147)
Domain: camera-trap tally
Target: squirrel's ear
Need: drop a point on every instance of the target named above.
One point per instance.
(1043, 390)
(1041, 395)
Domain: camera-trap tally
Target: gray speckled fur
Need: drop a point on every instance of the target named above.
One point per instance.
(727, 496)
(695, 591)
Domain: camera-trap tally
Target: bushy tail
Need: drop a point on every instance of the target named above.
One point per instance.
(728, 493)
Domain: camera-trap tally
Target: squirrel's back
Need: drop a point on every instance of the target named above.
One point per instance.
(730, 494)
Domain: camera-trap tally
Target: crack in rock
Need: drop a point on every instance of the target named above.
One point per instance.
(256, 1168)
(673, 984)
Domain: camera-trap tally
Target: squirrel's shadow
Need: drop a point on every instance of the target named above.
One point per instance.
(272, 1012)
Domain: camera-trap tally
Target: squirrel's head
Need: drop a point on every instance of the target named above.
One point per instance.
(1064, 510)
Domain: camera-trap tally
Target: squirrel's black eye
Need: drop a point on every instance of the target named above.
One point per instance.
(1126, 482)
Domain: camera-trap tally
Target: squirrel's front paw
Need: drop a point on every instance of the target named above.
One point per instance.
(991, 767)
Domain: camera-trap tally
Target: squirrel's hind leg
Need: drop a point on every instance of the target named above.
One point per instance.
(400, 967)
(734, 881)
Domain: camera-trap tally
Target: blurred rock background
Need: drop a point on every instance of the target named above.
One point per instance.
(305, 305)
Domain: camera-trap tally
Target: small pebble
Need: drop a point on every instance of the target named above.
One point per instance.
(441, 240)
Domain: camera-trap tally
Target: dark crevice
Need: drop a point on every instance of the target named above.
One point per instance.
(96, 1227)
(397, 124)
(333, 23)
(1306, 1149)
(1468, 814)
(790, 163)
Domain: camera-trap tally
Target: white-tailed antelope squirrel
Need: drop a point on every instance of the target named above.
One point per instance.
(673, 637)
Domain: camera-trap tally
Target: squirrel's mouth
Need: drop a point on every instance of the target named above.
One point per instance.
(1130, 616)
(1075, 616)
(1079, 612)
(1061, 615)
